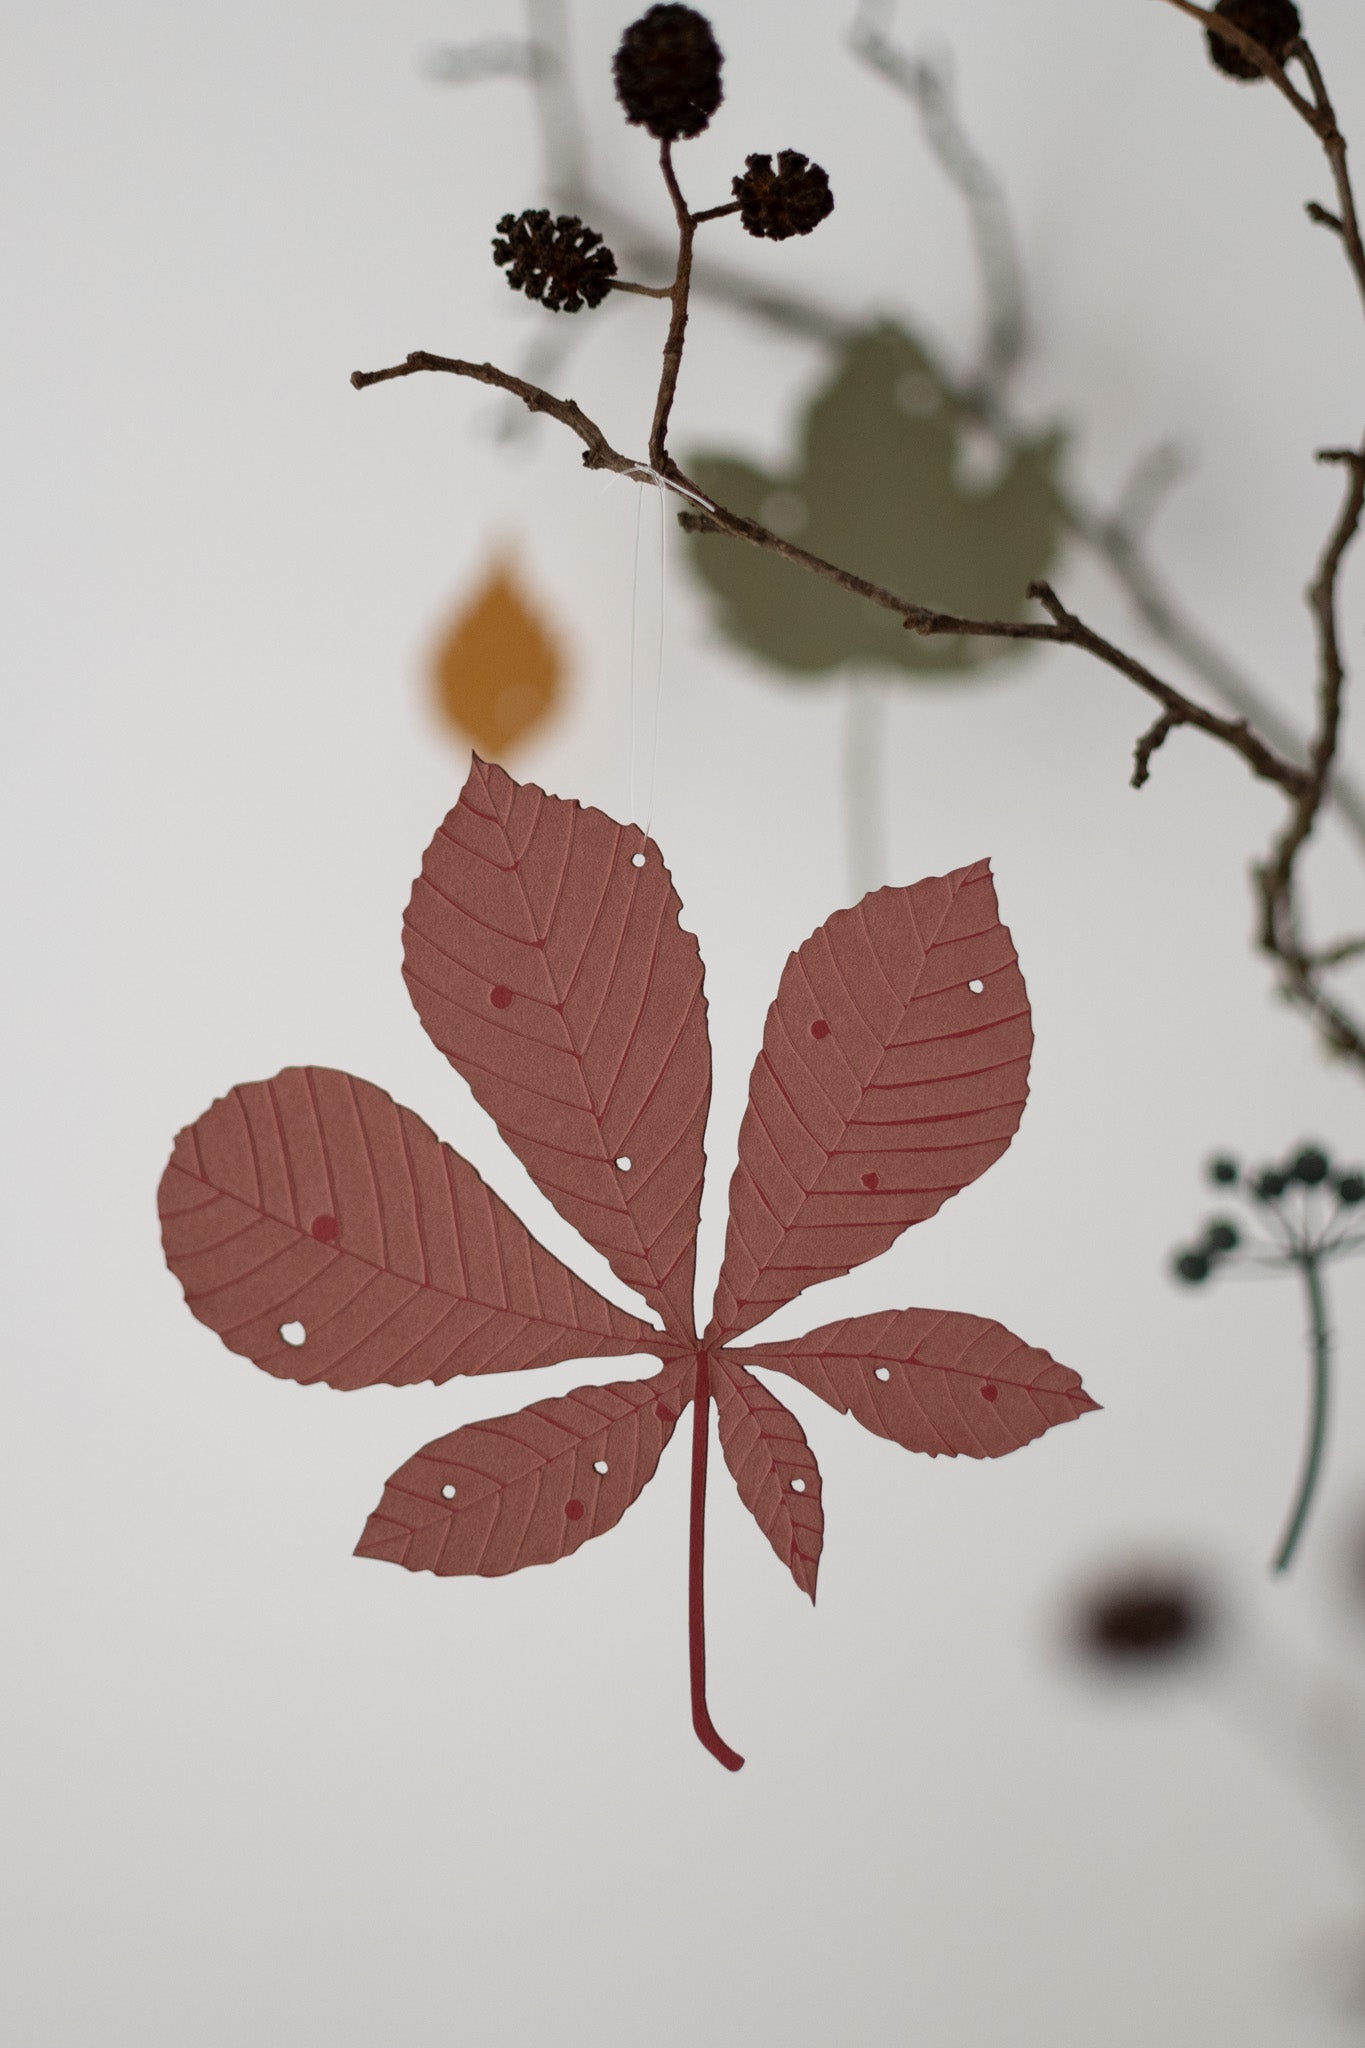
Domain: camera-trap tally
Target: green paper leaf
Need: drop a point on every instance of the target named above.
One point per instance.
(878, 486)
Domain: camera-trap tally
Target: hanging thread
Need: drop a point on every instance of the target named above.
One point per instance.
(646, 668)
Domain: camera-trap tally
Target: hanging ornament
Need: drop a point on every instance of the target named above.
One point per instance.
(328, 1235)
(497, 671)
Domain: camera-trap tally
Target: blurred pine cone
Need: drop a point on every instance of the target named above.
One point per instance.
(1272, 23)
(667, 72)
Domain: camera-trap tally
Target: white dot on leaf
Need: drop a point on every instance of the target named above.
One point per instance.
(599, 1465)
(623, 1163)
(883, 1372)
(293, 1333)
(798, 1486)
(976, 987)
(447, 1491)
(637, 860)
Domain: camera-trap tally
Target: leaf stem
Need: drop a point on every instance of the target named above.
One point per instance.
(1320, 1338)
(696, 1551)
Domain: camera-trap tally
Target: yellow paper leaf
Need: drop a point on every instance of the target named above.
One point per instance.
(497, 671)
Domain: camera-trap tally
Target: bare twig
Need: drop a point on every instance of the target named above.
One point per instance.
(598, 452)
(927, 87)
(1280, 920)
(677, 326)
(1154, 737)
(1337, 955)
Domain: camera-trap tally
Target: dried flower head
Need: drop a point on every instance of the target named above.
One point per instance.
(790, 200)
(560, 262)
(1272, 23)
(1144, 1621)
(667, 72)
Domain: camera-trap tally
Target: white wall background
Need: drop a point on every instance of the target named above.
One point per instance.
(262, 1793)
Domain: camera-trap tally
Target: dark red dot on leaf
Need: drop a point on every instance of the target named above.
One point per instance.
(326, 1229)
(500, 997)
(990, 1392)
(819, 1029)
(872, 1181)
(574, 1510)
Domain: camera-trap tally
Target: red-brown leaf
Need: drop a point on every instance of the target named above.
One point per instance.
(527, 1488)
(555, 977)
(885, 1085)
(314, 1200)
(773, 1466)
(932, 1380)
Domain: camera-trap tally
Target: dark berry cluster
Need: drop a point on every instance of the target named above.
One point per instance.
(667, 72)
(1197, 1261)
(1145, 1621)
(1308, 1226)
(790, 200)
(560, 262)
(1274, 24)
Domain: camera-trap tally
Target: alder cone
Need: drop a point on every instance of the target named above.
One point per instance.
(563, 264)
(667, 72)
(790, 200)
(1272, 23)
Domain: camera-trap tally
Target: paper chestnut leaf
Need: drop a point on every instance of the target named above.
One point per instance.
(328, 1235)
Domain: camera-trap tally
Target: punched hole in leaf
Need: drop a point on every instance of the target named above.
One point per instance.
(293, 1333)
(637, 860)
(976, 987)
(599, 1465)
(882, 1372)
(448, 1491)
(798, 1486)
(623, 1163)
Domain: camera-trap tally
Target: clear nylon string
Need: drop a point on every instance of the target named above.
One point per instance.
(646, 658)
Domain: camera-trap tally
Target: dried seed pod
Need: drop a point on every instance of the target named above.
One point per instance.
(790, 200)
(667, 72)
(1145, 1621)
(560, 262)
(1272, 23)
